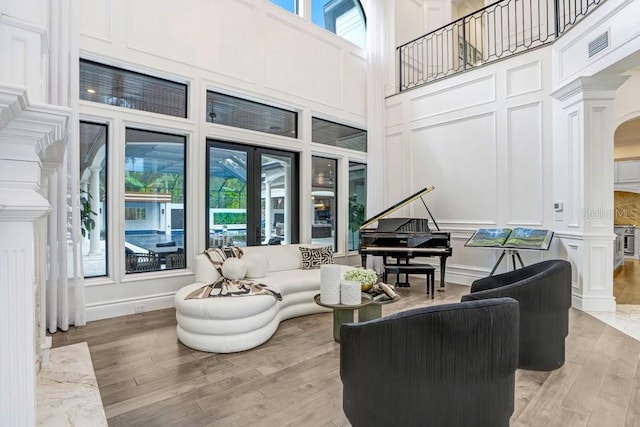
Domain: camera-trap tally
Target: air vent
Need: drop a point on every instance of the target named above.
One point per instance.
(598, 44)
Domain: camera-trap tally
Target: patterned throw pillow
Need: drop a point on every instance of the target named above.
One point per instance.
(217, 256)
(315, 257)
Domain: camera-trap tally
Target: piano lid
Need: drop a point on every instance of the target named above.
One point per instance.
(397, 206)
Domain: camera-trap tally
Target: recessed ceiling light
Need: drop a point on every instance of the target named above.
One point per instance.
(91, 91)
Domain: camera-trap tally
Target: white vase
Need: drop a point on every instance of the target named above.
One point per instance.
(350, 292)
(330, 275)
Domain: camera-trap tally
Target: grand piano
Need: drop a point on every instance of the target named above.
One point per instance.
(405, 238)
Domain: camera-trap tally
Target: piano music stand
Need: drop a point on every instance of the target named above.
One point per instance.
(514, 254)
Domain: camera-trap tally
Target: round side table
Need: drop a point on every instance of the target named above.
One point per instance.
(344, 313)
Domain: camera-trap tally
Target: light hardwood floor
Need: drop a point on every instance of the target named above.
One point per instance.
(147, 378)
(626, 283)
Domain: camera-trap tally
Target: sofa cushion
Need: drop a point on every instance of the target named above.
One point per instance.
(234, 268)
(292, 281)
(257, 264)
(313, 258)
(279, 257)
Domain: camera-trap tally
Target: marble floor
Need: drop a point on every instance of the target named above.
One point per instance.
(626, 290)
(67, 390)
(626, 319)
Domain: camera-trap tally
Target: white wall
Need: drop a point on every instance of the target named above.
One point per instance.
(247, 48)
(410, 20)
(482, 138)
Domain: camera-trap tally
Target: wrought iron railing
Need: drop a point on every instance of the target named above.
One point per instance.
(497, 31)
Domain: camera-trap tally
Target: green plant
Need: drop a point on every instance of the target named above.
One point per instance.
(87, 223)
(362, 275)
(356, 214)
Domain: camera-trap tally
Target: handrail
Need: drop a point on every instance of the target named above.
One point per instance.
(497, 31)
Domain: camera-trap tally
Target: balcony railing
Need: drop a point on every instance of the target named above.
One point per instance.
(497, 31)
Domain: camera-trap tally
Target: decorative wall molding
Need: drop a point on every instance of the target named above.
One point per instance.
(525, 164)
(523, 79)
(467, 94)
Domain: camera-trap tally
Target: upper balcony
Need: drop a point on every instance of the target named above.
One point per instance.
(497, 31)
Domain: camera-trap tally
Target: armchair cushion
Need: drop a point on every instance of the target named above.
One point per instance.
(544, 293)
(451, 364)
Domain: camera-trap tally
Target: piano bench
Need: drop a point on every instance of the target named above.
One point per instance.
(425, 269)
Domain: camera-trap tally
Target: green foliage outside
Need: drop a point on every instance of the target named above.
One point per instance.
(87, 223)
(158, 183)
(227, 193)
(229, 218)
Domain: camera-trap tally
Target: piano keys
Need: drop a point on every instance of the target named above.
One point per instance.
(405, 238)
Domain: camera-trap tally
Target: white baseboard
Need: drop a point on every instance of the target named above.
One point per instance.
(604, 304)
(109, 309)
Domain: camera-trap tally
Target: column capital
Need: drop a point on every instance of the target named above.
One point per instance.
(27, 130)
(600, 87)
(22, 205)
(32, 142)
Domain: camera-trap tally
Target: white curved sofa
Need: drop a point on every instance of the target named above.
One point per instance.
(231, 324)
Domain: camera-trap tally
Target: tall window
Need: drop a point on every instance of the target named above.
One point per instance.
(323, 194)
(357, 202)
(290, 5)
(252, 196)
(154, 201)
(93, 198)
(344, 18)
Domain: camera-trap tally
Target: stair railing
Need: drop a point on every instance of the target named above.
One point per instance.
(497, 31)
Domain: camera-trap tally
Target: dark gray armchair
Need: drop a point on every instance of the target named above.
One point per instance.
(443, 365)
(544, 292)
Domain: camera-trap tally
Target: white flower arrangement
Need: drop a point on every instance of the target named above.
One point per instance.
(362, 275)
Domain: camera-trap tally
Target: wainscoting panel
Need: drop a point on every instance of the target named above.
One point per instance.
(394, 188)
(524, 79)
(575, 169)
(22, 49)
(465, 184)
(598, 256)
(393, 114)
(468, 94)
(524, 165)
(95, 21)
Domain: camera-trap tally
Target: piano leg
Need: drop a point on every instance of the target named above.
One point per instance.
(443, 264)
(364, 260)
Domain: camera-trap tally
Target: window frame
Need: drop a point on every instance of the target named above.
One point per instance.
(185, 197)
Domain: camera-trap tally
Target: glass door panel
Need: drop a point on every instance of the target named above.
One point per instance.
(275, 203)
(323, 194)
(252, 196)
(227, 204)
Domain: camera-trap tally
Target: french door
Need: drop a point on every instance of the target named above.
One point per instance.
(252, 195)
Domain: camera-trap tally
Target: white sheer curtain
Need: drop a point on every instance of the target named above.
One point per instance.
(65, 296)
(380, 15)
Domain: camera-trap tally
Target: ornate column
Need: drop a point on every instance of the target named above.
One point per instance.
(26, 135)
(583, 182)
